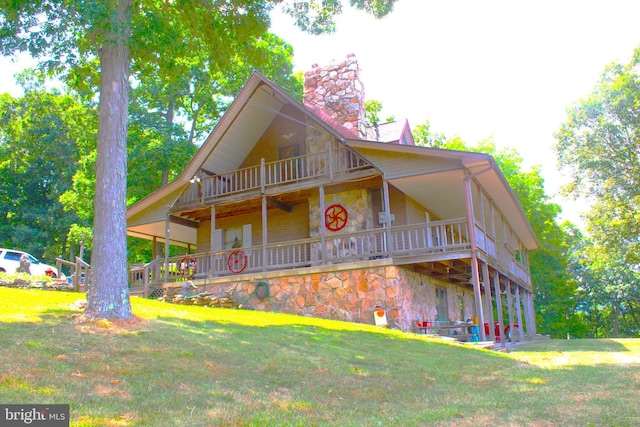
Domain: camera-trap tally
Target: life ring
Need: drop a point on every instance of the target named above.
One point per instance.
(237, 261)
(188, 267)
(335, 217)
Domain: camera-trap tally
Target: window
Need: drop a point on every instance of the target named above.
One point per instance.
(233, 237)
(441, 304)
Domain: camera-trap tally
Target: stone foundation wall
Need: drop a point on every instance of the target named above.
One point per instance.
(352, 295)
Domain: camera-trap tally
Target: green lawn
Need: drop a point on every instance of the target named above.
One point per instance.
(194, 366)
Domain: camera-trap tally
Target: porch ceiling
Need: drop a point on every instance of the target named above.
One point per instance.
(443, 193)
(179, 234)
(435, 179)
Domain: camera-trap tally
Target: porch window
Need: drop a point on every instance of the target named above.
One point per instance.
(441, 304)
(233, 237)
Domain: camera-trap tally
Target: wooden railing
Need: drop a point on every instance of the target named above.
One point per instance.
(78, 271)
(438, 237)
(435, 236)
(268, 174)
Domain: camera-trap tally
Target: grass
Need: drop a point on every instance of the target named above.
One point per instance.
(194, 366)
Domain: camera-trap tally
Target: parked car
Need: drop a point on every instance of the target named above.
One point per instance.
(10, 262)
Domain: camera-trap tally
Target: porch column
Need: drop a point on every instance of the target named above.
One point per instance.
(487, 304)
(264, 233)
(496, 287)
(475, 274)
(510, 309)
(212, 237)
(387, 214)
(330, 163)
(534, 330)
(531, 326)
(527, 317)
(519, 313)
(167, 233)
(154, 249)
(323, 229)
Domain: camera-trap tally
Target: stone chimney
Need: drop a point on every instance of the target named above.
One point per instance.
(337, 91)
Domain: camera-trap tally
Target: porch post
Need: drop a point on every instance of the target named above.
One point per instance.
(475, 274)
(167, 232)
(323, 229)
(533, 314)
(527, 315)
(264, 233)
(154, 249)
(212, 269)
(387, 214)
(496, 287)
(487, 304)
(263, 175)
(481, 217)
(330, 163)
(531, 327)
(519, 313)
(510, 309)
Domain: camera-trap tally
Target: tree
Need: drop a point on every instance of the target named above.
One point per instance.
(598, 145)
(424, 137)
(39, 136)
(67, 30)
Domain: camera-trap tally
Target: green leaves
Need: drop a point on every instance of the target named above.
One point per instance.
(318, 17)
(39, 138)
(600, 145)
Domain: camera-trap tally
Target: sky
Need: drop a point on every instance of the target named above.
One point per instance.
(505, 70)
(477, 69)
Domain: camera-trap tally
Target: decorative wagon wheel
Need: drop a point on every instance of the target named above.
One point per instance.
(237, 261)
(188, 267)
(335, 217)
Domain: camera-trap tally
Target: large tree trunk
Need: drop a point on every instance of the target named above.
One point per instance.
(108, 293)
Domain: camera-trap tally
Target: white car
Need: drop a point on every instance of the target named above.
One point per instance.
(10, 262)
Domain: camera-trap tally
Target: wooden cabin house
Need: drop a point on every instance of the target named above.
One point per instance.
(335, 219)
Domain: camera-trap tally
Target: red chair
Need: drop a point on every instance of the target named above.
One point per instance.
(507, 331)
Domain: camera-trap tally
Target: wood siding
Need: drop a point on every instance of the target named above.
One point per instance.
(398, 202)
(283, 226)
(283, 132)
(416, 214)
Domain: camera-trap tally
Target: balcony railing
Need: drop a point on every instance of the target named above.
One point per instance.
(418, 240)
(270, 174)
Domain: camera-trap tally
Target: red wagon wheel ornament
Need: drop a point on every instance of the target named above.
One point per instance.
(237, 261)
(188, 267)
(335, 217)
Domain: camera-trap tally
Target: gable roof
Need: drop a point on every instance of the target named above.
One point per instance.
(249, 115)
(410, 168)
(393, 132)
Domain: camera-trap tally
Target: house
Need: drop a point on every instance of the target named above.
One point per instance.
(332, 218)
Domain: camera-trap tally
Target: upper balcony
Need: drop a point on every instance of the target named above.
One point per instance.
(300, 171)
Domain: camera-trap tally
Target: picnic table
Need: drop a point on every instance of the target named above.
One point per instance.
(462, 331)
